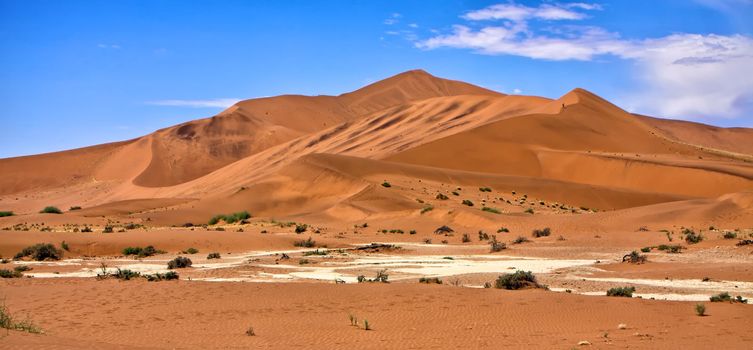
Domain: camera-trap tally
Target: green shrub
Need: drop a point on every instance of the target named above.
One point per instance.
(646, 249)
(730, 235)
(50, 210)
(7, 322)
(40, 252)
(483, 236)
(167, 276)
(142, 252)
(4, 273)
(517, 280)
(726, 297)
(455, 193)
(673, 249)
(700, 309)
(316, 252)
(467, 202)
(503, 229)
(65, 246)
(192, 251)
(444, 229)
(386, 184)
(413, 232)
(381, 276)
(307, 243)
(179, 263)
(484, 189)
(74, 208)
(301, 228)
(520, 240)
(108, 229)
(529, 211)
(621, 292)
(466, 238)
(214, 255)
(442, 197)
(126, 274)
(691, 237)
(22, 268)
(491, 210)
(229, 219)
(542, 233)
(5, 213)
(427, 209)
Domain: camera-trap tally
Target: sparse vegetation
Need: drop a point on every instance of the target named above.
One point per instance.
(5, 213)
(250, 332)
(214, 255)
(467, 202)
(700, 309)
(179, 263)
(381, 276)
(301, 228)
(502, 229)
(634, 258)
(430, 280)
(491, 210)
(483, 236)
(646, 249)
(484, 189)
(691, 237)
(50, 210)
(427, 208)
(466, 238)
(621, 292)
(307, 243)
(230, 219)
(520, 240)
(40, 252)
(366, 325)
(496, 245)
(545, 232)
(442, 197)
(517, 280)
(142, 252)
(65, 246)
(730, 235)
(726, 297)
(8, 322)
(673, 249)
(4, 273)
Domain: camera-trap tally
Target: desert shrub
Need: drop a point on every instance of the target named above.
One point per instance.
(214, 255)
(318, 252)
(427, 241)
(529, 211)
(386, 184)
(517, 280)
(621, 292)
(192, 250)
(691, 237)
(483, 236)
(491, 210)
(520, 240)
(51, 210)
(179, 263)
(381, 276)
(250, 332)
(40, 252)
(545, 232)
(700, 309)
(466, 238)
(730, 235)
(65, 246)
(442, 197)
(142, 252)
(673, 249)
(86, 229)
(125, 274)
(301, 228)
(131, 226)
(167, 276)
(496, 245)
(502, 229)
(4, 273)
(74, 208)
(231, 218)
(634, 258)
(726, 297)
(430, 280)
(743, 242)
(443, 229)
(484, 189)
(413, 232)
(307, 243)
(108, 229)
(8, 322)
(467, 202)
(455, 193)
(646, 249)
(5, 213)
(427, 208)
(22, 268)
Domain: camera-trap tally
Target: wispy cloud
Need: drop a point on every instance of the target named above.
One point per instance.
(208, 103)
(109, 46)
(393, 19)
(683, 75)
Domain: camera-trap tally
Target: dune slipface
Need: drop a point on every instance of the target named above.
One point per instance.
(298, 209)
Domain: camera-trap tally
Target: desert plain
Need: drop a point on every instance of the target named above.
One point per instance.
(414, 213)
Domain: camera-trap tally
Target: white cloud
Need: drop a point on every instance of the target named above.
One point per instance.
(517, 91)
(682, 75)
(393, 19)
(209, 103)
(108, 46)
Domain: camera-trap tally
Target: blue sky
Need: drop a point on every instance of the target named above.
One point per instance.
(78, 73)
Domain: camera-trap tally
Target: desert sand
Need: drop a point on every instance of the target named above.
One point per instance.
(388, 165)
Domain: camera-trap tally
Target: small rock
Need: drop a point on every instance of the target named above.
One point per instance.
(584, 342)
(621, 326)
